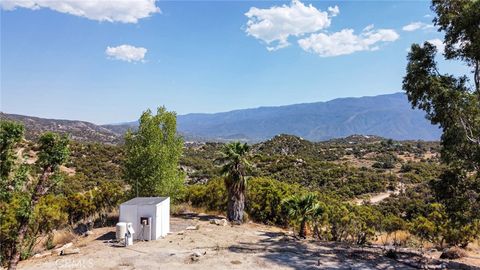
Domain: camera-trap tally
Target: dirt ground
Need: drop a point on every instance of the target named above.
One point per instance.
(249, 246)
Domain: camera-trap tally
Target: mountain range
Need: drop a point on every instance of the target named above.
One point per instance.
(389, 116)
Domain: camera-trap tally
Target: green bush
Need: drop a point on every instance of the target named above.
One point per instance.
(264, 200)
(212, 196)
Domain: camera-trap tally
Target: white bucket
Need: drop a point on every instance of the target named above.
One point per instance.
(121, 230)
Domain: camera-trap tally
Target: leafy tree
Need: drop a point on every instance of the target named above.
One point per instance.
(106, 198)
(302, 209)
(439, 219)
(49, 214)
(365, 222)
(448, 100)
(423, 228)
(212, 195)
(391, 225)
(80, 206)
(235, 166)
(11, 134)
(454, 104)
(265, 197)
(53, 152)
(152, 153)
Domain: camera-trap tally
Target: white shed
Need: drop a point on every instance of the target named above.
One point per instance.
(150, 216)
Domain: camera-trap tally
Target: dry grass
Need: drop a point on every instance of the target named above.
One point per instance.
(68, 171)
(183, 208)
(59, 238)
(63, 237)
(474, 246)
(355, 162)
(398, 238)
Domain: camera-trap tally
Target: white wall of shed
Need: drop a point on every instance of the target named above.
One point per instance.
(163, 219)
(159, 213)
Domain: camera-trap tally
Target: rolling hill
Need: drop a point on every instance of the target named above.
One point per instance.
(78, 130)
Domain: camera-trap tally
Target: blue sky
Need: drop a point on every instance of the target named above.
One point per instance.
(201, 56)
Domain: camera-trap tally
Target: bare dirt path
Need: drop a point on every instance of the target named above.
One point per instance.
(378, 197)
(250, 246)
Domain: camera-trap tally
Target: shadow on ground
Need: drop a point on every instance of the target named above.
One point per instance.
(107, 236)
(304, 254)
(202, 217)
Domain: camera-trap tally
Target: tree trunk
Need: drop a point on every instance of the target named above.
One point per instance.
(303, 229)
(235, 205)
(316, 231)
(476, 78)
(40, 190)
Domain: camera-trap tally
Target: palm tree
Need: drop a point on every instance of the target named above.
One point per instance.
(302, 209)
(234, 167)
(319, 217)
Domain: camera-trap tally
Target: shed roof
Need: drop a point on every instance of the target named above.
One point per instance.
(145, 201)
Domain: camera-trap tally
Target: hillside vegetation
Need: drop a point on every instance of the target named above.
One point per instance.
(77, 130)
(339, 175)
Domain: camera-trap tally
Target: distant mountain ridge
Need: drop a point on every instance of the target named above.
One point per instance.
(388, 116)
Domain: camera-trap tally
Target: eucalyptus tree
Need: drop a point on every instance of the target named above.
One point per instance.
(235, 166)
(453, 103)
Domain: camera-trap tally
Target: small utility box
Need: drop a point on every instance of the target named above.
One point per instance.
(150, 216)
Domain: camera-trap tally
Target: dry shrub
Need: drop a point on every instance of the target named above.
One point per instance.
(184, 208)
(453, 253)
(62, 237)
(401, 238)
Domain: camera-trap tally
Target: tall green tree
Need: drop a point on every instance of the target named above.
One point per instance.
(53, 152)
(235, 166)
(152, 156)
(453, 103)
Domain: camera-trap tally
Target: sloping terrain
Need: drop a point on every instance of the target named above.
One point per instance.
(78, 130)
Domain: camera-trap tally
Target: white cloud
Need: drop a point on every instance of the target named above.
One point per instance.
(346, 42)
(126, 53)
(415, 26)
(334, 11)
(125, 11)
(437, 43)
(276, 24)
